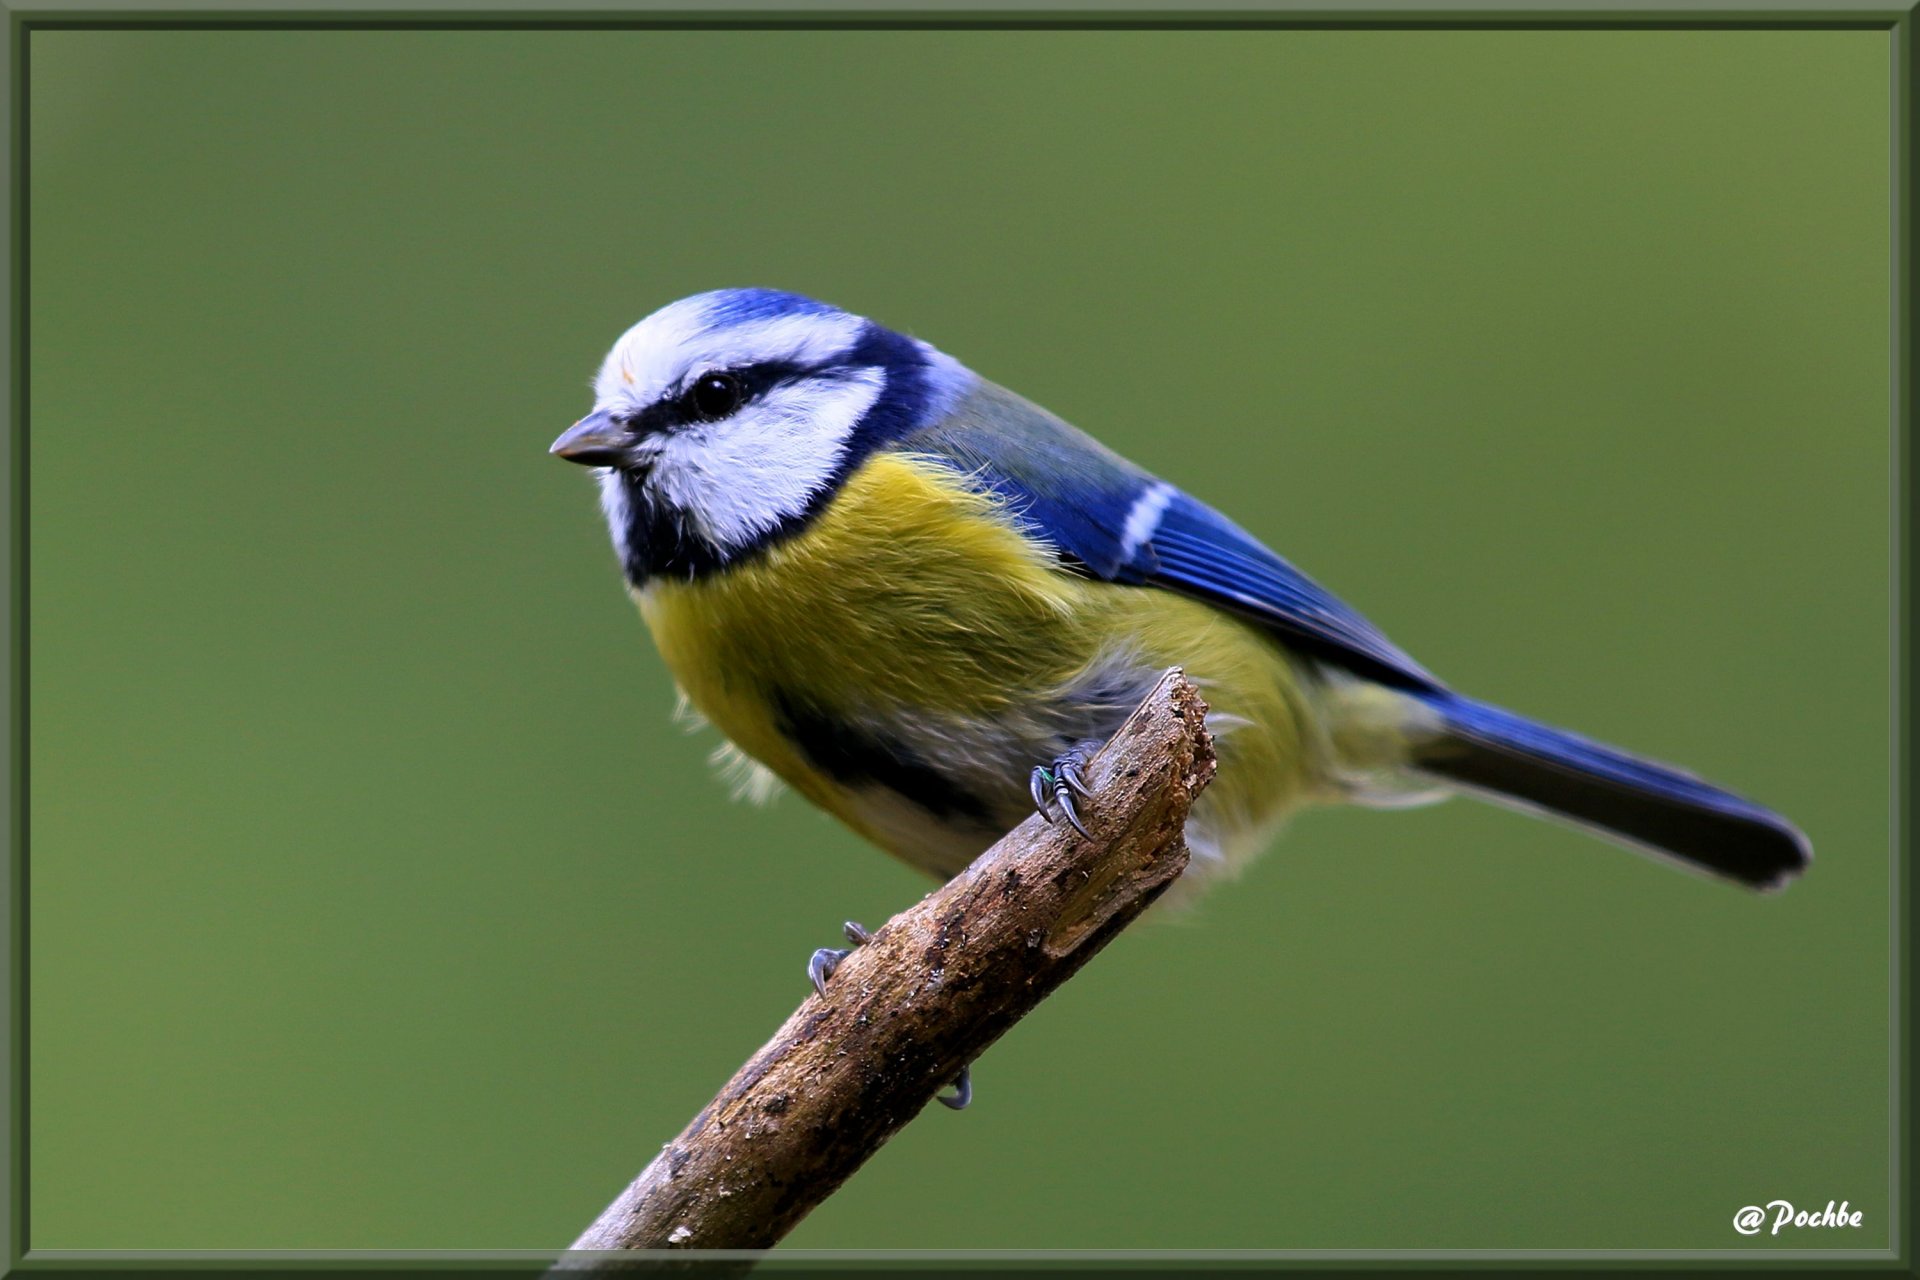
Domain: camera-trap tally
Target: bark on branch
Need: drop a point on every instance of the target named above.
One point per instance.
(937, 984)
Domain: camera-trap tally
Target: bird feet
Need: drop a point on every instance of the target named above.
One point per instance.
(1059, 782)
(827, 959)
(962, 1091)
(820, 972)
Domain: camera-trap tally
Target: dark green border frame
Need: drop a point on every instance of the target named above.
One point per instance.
(17, 24)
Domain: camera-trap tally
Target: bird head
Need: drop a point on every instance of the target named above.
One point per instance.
(724, 421)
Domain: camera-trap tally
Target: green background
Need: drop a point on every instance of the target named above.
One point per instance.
(377, 904)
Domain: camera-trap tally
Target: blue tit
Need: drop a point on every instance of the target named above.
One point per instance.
(918, 599)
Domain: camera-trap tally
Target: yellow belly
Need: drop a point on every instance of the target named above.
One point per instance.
(912, 596)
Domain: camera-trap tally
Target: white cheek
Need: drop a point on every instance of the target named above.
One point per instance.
(613, 501)
(742, 477)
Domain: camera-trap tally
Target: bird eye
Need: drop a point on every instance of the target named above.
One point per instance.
(713, 396)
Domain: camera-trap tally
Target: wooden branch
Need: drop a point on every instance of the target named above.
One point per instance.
(934, 987)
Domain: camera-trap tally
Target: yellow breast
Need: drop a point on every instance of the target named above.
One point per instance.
(912, 591)
(908, 590)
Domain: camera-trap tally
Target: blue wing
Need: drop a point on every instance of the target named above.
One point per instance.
(1119, 523)
(1110, 519)
(1197, 550)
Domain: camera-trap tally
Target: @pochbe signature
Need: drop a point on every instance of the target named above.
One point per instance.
(1753, 1219)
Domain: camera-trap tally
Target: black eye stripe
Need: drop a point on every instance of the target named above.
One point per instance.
(677, 408)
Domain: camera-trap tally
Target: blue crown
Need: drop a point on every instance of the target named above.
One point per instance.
(725, 307)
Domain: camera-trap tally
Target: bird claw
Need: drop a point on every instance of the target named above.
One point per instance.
(1058, 784)
(962, 1091)
(1039, 784)
(820, 968)
(1065, 797)
(824, 961)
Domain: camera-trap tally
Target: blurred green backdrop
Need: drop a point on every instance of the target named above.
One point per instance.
(377, 904)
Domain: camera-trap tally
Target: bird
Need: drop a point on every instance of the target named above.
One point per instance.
(921, 601)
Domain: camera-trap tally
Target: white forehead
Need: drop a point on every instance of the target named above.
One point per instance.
(684, 338)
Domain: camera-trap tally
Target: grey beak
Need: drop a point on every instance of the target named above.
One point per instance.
(594, 441)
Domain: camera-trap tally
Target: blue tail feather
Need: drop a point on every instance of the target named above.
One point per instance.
(1642, 802)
